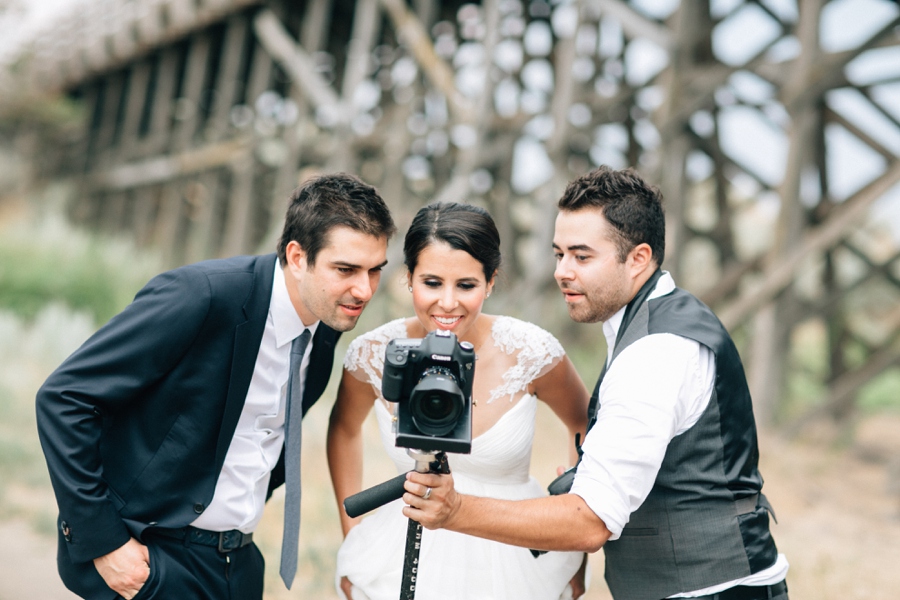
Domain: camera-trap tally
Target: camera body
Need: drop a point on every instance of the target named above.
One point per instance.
(431, 380)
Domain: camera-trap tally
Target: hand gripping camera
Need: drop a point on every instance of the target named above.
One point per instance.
(431, 380)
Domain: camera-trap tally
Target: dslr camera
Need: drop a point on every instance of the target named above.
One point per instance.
(431, 380)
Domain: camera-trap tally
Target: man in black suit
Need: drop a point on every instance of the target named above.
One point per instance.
(164, 433)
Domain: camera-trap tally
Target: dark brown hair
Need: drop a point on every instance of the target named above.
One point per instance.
(631, 205)
(462, 227)
(330, 201)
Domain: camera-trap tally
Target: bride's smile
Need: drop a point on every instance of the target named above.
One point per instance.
(448, 289)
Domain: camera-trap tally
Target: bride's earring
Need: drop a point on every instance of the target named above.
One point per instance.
(409, 287)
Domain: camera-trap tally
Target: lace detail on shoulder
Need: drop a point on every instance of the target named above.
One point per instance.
(538, 352)
(365, 355)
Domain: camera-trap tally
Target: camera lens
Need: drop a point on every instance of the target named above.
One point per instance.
(435, 407)
(436, 403)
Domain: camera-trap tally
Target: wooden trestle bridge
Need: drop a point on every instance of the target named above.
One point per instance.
(201, 116)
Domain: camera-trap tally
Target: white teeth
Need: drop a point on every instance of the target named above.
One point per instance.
(445, 321)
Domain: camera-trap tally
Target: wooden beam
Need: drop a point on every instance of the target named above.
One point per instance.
(848, 385)
(161, 109)
(778, 276)
(414, 35)
(227, 77)
(136, 98)
(294, 60)
(828, 74)
(165, 168)
(635, 24)
(238, 220)
(191, 91)
(862, 135)
(316, 24)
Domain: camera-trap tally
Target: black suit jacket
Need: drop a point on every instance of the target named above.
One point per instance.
(136, 423)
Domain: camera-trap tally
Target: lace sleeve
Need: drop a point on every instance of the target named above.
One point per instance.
(537, 353)
(365, 355)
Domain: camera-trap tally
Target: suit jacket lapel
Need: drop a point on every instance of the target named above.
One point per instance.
(247, 338)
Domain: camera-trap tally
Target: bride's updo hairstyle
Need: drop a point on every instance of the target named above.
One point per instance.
(462, 227)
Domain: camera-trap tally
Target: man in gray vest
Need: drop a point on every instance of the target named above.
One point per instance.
(668, 482)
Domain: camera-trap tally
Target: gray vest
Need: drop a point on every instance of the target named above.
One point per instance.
(705, 521)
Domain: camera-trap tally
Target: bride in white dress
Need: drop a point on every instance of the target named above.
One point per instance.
(452, 252)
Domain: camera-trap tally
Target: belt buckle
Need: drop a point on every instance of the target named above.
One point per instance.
(229, 540)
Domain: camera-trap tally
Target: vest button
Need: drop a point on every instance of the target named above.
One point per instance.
(199, 508)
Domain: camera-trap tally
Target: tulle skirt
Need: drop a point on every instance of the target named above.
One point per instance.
(452, 565)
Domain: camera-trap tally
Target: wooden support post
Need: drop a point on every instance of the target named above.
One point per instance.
(146, 207)
(305, 91)
(295, 60)
(410, 29)
(239, 222)
(316, 24)
(776, 277)
(101, 144)
(204, 208)
(173, 209)
(136, 99)
(767, 373)
(362, 40)
(162, 108)
(206, 215)
(218, 124)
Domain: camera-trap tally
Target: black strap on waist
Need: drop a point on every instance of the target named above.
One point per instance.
(224, 541)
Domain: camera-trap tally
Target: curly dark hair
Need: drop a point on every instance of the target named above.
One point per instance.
(329, 201)
(631, 205)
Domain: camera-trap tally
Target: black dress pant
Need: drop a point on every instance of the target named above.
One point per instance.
(184, 571)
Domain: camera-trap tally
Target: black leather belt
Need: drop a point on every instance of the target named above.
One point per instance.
(748, 592)
(225, 541)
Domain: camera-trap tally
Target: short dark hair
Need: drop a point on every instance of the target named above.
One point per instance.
(328, 201)
(631, 205)
(462, 227)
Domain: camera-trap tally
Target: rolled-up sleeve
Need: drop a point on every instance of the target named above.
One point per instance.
(654, 390)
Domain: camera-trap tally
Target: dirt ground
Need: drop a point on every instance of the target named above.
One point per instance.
(838, 511)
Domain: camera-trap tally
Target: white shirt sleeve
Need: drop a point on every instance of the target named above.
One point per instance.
(656, 388)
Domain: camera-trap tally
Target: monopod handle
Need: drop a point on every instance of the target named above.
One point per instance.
(375, 496)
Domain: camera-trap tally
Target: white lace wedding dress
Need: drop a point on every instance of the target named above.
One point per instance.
(454, 565)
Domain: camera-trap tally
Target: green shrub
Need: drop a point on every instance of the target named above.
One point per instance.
(50, 261)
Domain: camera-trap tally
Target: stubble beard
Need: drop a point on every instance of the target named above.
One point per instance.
(598, 306)
(590, 314)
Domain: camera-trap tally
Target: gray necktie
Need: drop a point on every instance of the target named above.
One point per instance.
(293, 422)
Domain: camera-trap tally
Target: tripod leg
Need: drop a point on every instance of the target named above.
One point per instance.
(426, 462)
(411, 560)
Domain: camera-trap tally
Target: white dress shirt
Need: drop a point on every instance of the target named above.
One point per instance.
(259, 436)
(639, 415)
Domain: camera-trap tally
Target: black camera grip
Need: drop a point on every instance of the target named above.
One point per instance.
(563, 483)
(375, 496)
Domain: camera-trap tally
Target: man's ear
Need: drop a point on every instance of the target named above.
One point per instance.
(296, 258)
(640, 259)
